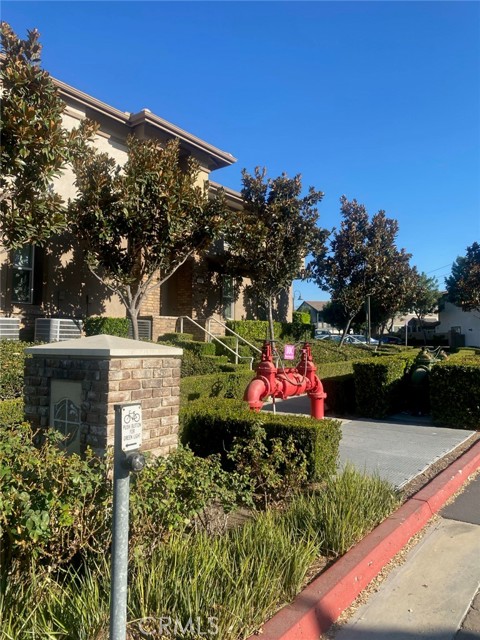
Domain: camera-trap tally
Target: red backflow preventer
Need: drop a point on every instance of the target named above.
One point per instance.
(285, 382)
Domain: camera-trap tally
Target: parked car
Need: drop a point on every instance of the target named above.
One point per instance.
(359, 339)
(391, 340)
(331, 337)
(321, 334)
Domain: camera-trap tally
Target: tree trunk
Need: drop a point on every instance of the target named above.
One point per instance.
(345, 331)
(133, 313)
(270, 319)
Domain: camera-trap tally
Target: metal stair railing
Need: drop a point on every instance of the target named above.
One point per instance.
(237, 335)
(213, 337)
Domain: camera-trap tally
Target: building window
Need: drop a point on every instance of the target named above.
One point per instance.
(22, 276)
(228, 297)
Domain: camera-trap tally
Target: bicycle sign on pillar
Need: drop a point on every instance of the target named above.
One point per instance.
(131, 427)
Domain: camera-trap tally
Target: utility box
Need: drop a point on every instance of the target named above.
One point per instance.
(74, 385)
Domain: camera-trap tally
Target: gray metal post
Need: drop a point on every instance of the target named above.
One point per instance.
(121, 490)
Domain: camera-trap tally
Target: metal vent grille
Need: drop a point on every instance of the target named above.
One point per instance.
(57, 329)
(9, 328)
(144, 329)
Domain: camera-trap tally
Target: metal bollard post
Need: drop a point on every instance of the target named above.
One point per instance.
(128, 439)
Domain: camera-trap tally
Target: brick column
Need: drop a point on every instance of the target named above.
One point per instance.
(99, 372)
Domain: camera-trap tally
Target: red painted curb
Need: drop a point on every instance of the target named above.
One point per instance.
(317, 607)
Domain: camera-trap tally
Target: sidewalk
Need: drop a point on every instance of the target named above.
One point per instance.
(434, 593)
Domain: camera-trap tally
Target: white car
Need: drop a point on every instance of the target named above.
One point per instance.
(359, 339)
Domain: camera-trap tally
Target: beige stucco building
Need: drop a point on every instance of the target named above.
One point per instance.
(55, 282)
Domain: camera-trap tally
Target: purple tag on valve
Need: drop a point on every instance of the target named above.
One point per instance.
(289, 352)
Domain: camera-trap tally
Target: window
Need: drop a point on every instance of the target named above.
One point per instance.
(228, 297)
(22, 278)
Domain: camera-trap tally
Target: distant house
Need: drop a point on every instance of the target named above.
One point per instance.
(55, 283)
(462, 327)
(315, 309)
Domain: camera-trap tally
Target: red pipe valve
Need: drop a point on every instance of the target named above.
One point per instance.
(286, 382)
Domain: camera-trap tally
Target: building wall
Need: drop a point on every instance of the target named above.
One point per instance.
(463, 322)
(67, 287)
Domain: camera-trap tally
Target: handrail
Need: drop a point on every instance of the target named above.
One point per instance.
(237, 356)
(237, 335)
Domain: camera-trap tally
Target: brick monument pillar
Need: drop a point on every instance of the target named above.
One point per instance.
(74, 385)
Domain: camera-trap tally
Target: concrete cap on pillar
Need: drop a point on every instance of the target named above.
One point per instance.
(104, 346)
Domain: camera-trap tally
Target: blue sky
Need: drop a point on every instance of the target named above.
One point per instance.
(379, 101)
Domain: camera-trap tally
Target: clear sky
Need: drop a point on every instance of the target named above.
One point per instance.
(379, 101)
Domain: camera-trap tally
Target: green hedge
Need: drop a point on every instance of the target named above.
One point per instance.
(198, 348)
(381, 384)
(340, 392)
(12, 363)
(210, 426)
(195, 365)
(175, 337)
(230, 341)
(216, 385)
(255, 330)
(455, 392)
(96, 325)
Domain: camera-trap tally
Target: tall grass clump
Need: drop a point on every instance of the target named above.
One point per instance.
(344, 511)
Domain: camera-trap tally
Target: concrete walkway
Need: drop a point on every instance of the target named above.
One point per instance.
(397, 449)
(435, 593)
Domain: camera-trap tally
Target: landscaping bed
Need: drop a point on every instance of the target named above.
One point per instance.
(191, 562)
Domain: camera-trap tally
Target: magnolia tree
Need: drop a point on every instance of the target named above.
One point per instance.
(362, 261)
(423, 294)
(139, 223)
(268, 240)
(35, 145)
(463, 285)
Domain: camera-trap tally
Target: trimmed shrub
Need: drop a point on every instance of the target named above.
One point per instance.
(96, 325)
(254, 330)
(228, 385)
(300, 327)
(455, 392)
(195, 365)
(211, 426)
(175, 337)
(198, 348)
(334, 369)
(230, 341)
(12, 363)
(380, 384)
(301, 317)
(340, 392)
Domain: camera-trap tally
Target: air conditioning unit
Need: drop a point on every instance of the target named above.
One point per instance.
(9, 328)
(144, 329)
(57, 329)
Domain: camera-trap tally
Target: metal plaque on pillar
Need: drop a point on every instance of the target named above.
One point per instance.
(131, 417)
